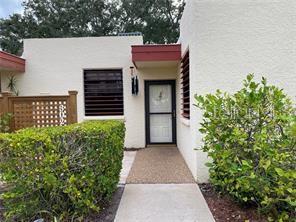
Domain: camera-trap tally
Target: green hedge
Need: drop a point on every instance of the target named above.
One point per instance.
(5, 122)
(61, 172)
(251, 137)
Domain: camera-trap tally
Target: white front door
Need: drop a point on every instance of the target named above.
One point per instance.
(161, 112)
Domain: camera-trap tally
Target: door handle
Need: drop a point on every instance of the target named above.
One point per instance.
(174, 113)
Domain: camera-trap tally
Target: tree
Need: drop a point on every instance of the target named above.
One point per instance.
(57, 18)
(158, 20)
(71, 18)
(11, 33)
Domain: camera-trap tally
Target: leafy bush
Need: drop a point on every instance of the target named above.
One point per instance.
(5, 122)
(250, 137)
(61, 172)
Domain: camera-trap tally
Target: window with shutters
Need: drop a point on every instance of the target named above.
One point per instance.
(185, 82)
(103, 92)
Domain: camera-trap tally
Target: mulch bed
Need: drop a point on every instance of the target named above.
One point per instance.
(3, 188)
(224, 208)
(107, 214)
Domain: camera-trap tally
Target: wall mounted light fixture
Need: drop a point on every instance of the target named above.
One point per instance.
(135, 82)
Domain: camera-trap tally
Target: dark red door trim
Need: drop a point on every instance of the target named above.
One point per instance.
(142, 53)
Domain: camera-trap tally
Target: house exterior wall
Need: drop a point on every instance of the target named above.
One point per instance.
(54, 66)
(229, 39)
(187, 132)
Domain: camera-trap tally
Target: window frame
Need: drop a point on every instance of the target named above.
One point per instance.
(119, 105)
(185, 85)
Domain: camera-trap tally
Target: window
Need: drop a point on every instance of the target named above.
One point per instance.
(103, 92)
(185, 86)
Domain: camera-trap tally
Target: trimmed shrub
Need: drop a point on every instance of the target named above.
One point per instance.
(5, 122)
(61, 172)
(250, 137)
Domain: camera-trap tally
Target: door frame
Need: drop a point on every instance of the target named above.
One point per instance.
(173, 111)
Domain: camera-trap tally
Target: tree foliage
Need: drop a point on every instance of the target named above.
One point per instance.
(12, 30)
(158, 20)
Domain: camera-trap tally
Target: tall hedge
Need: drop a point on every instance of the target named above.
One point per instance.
(60, 172)
(251, 137)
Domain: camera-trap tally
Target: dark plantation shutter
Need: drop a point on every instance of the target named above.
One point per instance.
(185, 82)
(103, 92)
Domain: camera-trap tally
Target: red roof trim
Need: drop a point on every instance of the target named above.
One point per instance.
(11, 62)
(142, 53)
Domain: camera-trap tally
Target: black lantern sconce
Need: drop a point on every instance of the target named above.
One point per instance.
(135, 82)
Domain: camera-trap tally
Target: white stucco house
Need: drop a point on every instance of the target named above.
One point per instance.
(220, 43)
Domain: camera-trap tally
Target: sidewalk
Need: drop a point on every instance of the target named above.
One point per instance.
(159, 200)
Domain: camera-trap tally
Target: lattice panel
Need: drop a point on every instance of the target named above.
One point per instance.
(23, 115)
(40, 113)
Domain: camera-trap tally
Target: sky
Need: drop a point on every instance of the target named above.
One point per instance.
(8, 7)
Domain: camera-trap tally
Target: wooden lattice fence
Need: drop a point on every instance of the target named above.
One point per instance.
(40, 111)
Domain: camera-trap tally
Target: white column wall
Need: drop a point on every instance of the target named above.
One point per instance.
(229, 39)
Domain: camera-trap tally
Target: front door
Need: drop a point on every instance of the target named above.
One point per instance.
(160, 103)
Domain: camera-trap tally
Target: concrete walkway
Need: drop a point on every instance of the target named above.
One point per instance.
(127, 162)
(162, 202)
